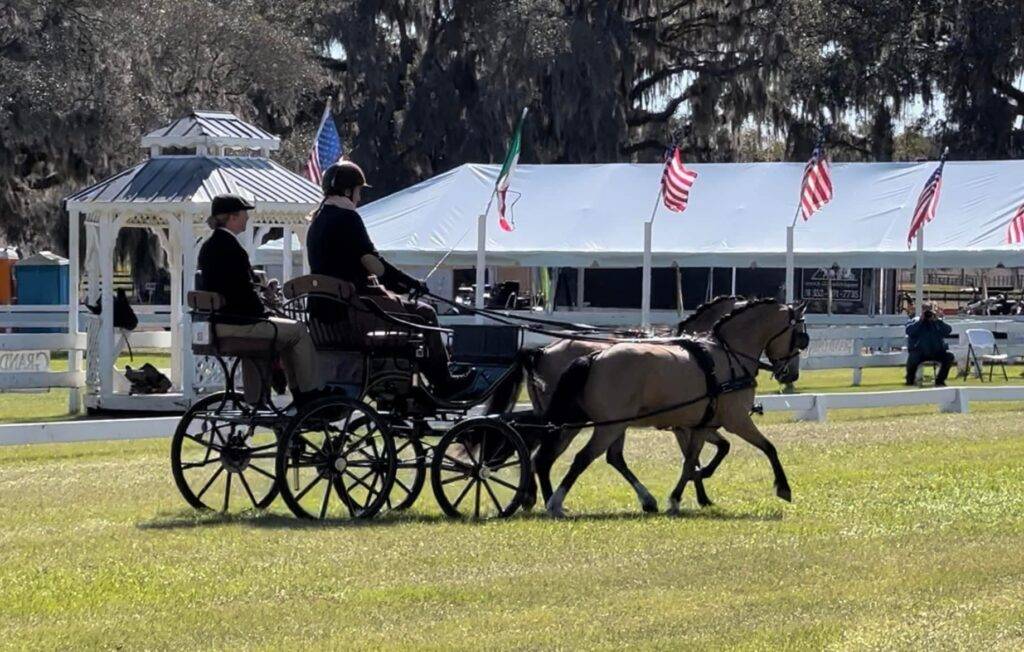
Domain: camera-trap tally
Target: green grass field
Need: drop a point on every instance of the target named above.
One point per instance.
(905, 533)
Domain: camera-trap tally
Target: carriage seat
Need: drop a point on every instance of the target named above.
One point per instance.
(204, 307)
(340, 319)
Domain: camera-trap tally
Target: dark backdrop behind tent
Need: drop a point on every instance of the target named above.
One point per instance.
(855, 293)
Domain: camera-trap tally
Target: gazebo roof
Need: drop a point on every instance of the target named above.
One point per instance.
(211, 129)
(172, 185)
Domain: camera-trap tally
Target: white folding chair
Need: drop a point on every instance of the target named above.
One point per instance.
(983, 350)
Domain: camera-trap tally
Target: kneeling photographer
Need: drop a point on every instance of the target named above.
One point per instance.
(926, 342)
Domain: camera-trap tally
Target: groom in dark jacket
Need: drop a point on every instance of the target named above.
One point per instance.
(338, 245)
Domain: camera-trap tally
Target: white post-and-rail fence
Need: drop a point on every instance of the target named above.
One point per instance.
(805, 407)
(150, 334)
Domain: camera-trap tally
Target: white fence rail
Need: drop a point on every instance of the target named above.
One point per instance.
(807, 407)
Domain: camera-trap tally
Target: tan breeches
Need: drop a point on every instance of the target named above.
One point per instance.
(291, 341)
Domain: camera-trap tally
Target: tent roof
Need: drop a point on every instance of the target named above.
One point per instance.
(211, 128)
(585, 215)
(186, 184)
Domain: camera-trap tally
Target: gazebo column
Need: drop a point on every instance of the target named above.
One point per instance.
(286, 255)
(74, 354)
(184, 343)
(108, 237)
(302, 231)
(177, 299)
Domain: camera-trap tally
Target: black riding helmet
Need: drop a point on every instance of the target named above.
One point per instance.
(342, 176)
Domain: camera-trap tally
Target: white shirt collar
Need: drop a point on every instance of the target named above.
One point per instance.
(340, 202)
(231, 233)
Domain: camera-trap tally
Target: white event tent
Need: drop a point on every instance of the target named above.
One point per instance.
(594, 215)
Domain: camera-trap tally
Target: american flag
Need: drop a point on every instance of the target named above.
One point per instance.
(928, 202)
(676, 181)
(326, 148)
(816, 188)
(1015, 230)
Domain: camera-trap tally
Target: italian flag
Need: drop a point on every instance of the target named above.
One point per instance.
(505, 176)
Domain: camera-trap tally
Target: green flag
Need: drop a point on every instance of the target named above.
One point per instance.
(505, 176)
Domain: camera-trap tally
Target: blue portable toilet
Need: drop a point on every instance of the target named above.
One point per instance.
(41, 280)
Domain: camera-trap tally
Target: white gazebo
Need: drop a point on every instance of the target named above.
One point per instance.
(191, 160)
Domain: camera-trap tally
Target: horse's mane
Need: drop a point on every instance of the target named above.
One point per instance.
(704, 307)
(739, 311)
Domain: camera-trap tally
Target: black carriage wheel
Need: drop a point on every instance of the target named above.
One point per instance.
(337, 461)
(411, 473)
(480, 470)
(220, 464)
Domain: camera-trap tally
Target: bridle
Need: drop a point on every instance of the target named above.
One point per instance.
(798, 342)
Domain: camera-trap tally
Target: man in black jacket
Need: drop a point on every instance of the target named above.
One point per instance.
(339, 246)
(225, 269)
(926, 342)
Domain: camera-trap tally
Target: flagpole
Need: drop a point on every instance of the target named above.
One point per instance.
(919, 273)
(645, 288)
(790, 258)
(481, 252)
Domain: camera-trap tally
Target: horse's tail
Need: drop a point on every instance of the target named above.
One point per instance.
(565, 401)
(505, 395)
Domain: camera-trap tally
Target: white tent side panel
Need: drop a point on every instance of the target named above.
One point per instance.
(593, 215)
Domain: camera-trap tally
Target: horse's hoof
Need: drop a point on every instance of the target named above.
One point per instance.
(784, 493)
(556, 513)
(706, 503)
(650, 506)
(529, 502)
(705, 472)
(673, 507)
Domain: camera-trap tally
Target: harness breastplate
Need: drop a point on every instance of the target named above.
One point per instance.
(702, 356)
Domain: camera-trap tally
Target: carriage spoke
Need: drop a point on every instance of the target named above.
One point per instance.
(262, 471)
(209, 445)
(316, 480)
(464, 492)
(504, 484)
(227, 493)
(455, 479)
(360, 481)
(494, 498)
(402, 484)
(185, 466)
(476, 507)
(514, 462)
(248, 490)
(457, 462)
(327, 498)
(209, 482)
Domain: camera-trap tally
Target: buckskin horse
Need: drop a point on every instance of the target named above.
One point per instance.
(681, 388)
(549, 363)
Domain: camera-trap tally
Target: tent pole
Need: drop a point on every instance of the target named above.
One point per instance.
(919, 273)
(645, 287)
(74, 355)
(481, 257)
(645, 283)
(581, 280)
(789, 264)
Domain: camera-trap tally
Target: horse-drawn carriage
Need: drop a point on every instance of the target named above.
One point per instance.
(372, 442)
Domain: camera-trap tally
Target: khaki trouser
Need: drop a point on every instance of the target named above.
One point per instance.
(292, 343)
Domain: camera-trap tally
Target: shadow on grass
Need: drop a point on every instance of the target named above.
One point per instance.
(255, 519)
